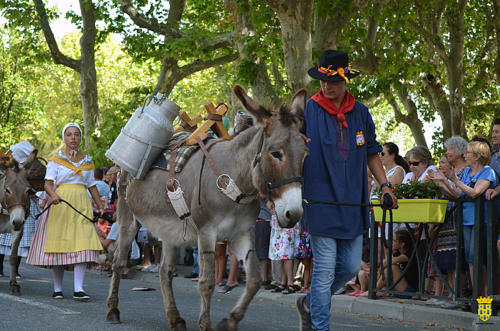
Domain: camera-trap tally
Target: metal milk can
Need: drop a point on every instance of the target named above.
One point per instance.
(145, 136)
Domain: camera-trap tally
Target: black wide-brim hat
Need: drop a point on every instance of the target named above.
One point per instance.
(333, 67)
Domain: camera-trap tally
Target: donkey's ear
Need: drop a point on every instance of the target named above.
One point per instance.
(259, 112)
(31, 158)
(299, 104)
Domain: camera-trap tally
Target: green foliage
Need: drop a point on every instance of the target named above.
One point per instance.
(212, 85)
(418, 190)
(21, 116)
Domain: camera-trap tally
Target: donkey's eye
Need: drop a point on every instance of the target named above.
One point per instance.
(277, 155)
(7, 191)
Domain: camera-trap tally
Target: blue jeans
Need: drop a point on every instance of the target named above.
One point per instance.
(336, 261)
(196, 267)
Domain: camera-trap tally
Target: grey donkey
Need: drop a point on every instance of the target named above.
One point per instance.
(15, 200)
(265, 159)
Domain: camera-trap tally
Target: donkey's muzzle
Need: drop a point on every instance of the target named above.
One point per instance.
(289, 207)
(17, 217)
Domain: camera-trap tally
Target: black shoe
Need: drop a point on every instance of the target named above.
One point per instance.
(191, 275)
(80, 296)
(265, 283)
(305, 323)
(57, 295)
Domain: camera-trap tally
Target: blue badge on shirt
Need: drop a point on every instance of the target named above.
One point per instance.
(360, 138)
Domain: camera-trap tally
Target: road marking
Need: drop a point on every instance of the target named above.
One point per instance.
(45, 306)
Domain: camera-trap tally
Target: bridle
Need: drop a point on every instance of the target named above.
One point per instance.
(270, 185)
(6, 208)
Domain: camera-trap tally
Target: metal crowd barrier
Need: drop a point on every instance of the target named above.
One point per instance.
(457, 294)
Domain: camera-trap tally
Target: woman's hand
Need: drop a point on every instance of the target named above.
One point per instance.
(55, 199)
(450, 174)
(492, 193)
(436, 176)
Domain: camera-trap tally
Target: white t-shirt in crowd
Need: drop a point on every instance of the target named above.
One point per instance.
(409, 176)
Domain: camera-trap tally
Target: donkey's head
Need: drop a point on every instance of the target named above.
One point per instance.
(277, 168)
(16, 192)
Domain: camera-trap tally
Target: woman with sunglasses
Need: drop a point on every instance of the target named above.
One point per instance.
(420, 161)
(394, 164)
(395, 170)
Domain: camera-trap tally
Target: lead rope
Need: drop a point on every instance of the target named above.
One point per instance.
(70, 206)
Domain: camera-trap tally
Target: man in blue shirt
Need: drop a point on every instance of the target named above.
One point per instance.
(342, 143)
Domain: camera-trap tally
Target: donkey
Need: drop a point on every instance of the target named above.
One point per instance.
(15, 209)
(265, 159)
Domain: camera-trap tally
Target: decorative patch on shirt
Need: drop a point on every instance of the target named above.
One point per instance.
(360, 138)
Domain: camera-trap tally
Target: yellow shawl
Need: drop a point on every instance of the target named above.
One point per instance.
(59, 160)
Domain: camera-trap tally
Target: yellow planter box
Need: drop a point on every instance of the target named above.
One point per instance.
(415, 211)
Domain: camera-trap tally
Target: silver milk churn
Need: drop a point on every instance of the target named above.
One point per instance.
(145, 136)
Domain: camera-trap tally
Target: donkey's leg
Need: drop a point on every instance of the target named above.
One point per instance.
(128, 230)
(206, 282)
(167, 268)
(15, 289)
(120, 258)
(243, 248)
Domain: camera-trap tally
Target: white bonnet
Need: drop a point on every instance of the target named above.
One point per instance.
(71, 124)
(21, 151)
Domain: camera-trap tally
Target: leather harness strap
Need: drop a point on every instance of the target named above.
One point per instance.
(210, 161)
(171, 164)
(220, 177)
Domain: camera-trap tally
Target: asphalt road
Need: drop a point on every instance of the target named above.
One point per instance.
(143, 310)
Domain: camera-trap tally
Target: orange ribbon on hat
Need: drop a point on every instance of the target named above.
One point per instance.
(340, 71)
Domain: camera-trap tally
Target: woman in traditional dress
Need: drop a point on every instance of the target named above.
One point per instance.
(63, 237)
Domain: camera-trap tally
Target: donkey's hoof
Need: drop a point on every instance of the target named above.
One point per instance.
(179, 326)
(113, 316)
(226, 325)
(15, 290)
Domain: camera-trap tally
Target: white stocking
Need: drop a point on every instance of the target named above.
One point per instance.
(58, 271)
(79, 276)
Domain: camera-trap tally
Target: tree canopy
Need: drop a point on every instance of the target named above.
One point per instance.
(424, 63)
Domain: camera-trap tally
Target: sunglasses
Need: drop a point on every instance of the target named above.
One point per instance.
(415, 164)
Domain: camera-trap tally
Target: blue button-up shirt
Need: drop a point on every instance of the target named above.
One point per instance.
(335, 170)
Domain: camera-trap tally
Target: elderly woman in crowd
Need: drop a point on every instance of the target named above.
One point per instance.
(446, 243)
(476, 179)
(420, 161)
(64, 238)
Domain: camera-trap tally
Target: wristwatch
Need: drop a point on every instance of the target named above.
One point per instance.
(387, 184)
